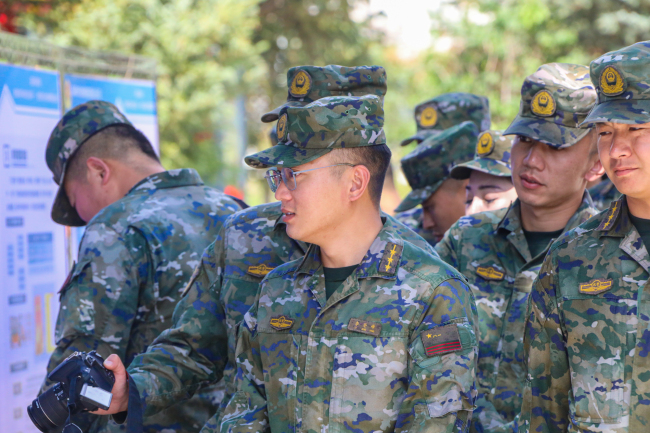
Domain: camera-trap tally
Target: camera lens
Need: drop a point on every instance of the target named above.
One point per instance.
(47, 412)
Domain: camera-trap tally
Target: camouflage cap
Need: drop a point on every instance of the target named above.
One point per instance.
(309, 83)
(74, 128)
(447, 110)
(622, 80)
(492, 156)
(273, 135)
(309, 132)
(555, 101)
(429, 165)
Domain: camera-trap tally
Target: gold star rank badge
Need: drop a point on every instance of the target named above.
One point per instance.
(390, 260)
(364, 327)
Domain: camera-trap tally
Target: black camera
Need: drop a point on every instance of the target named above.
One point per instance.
(84, 385)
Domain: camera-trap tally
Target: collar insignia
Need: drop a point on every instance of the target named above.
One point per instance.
(441, 340)
(543, 104)
(280, 323)
(607, 223)
(490, 273)
(259, 270)
(364, 327)
(611, 82)
(391, 258)
(300, 85)
(594, 287)
(428, 117)
(485, 144)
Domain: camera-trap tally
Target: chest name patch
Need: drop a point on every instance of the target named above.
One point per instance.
(364, 327)
(490, 273)
(280, 323)
(594, 287)
(390, 259)
(438, 341)
(259, 270)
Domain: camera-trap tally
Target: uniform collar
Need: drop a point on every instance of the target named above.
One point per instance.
(168, 179)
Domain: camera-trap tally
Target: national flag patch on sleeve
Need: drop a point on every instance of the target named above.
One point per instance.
(438, 341)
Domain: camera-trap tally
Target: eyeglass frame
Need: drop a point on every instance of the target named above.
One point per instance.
(268, 177)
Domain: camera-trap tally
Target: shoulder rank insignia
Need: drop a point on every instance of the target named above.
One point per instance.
(193, 278)
(391, 258)
(364, 327)
(490, 273)
(594, 287)
(281, 323)
(259, 270)
(438, 341)
(610, 217)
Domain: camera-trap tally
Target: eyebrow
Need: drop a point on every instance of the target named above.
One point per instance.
(489, 187)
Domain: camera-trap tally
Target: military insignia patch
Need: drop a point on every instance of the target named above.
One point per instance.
(390, 259)
(300, 85)
(438, 341)
(485, 144)
(259, 270)
(594, 287)
(611, 82)
(428, 117)
(609, 219)
(543, 104)
(282, 127)
(490, 273)
(364, 327)
(193, 278)
(281, 323)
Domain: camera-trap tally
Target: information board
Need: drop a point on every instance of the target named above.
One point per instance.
(32, 252)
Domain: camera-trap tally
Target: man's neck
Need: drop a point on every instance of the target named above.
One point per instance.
(639, 207)
(130, 177)
(549, 219)
(350, 242)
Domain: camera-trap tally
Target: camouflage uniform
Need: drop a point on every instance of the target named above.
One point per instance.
(434, 116)
(491, 251)
(587, 334)
(603, 194)
(492, 156)
(135, 257)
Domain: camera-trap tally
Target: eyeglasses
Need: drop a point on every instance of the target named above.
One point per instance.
(288, 176)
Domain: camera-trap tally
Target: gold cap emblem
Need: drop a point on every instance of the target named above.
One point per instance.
(543, 104)
(485, 144)
(611, 82)
(300, 85)
(428, 117)
(282, 127)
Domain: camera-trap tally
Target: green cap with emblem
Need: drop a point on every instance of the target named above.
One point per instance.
(447, 110)
(307, 84)
(622, 81)
(309, 132)
(430, 164)
(74, 128)
(492, 156)
(555, 101)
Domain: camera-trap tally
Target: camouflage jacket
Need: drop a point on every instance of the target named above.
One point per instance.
(413, 220)
(393, 349)
(200, 347)
(135, 258)
(588, 332)
(490, 250)
(603, 194)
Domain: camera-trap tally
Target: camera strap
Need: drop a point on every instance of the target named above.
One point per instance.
(70, 427)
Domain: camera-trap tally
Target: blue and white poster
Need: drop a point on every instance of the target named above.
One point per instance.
(32, 251)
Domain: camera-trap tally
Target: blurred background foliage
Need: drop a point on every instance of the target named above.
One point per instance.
(219, 59)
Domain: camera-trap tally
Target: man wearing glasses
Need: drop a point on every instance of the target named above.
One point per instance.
(367, 331)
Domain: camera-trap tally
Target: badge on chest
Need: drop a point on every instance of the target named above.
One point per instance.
(594, 287)
(280, 323)
(364, 327)
(490, 273)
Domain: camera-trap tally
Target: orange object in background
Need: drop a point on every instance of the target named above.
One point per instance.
(233, 191)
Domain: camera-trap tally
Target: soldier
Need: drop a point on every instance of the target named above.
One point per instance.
(145, 228)
(432, 117)
(427, 170)
(490, 185)
(588, 332)
(500, 252)
(200, 346)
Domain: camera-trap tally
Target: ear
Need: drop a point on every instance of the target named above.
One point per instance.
(99, 171)
(360, 178)
(595, 172)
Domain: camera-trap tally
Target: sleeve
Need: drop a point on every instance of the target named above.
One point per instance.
(446, 248)
(246, 411)
(545, 402)
(442, 364)
(193, 351)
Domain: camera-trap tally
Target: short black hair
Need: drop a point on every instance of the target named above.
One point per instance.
(113, 142)
(375, 158)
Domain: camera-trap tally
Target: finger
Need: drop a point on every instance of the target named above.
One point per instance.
(120, 389)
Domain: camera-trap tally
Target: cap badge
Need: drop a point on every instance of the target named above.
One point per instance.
(611, 82)
(300, 84)
(428, 117)
(543, 104)
(282, 127)
(485, 144)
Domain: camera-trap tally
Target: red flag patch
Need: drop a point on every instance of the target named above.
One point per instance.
(438, 341)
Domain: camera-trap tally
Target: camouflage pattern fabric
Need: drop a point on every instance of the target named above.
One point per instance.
(135, 258)
(490, 250)
(413, 220)
(492, 156)
(447, 110)
(75, 127)
(555, 101)
(621, 79)
(309, 132)
(429, 165)
(307, 84)
(587, 335)
(603, 194)
(358, 360)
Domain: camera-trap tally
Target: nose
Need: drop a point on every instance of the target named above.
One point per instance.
(621, 146)
(427, 221)
(534, 158)
(475, 206)
(282, 193)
